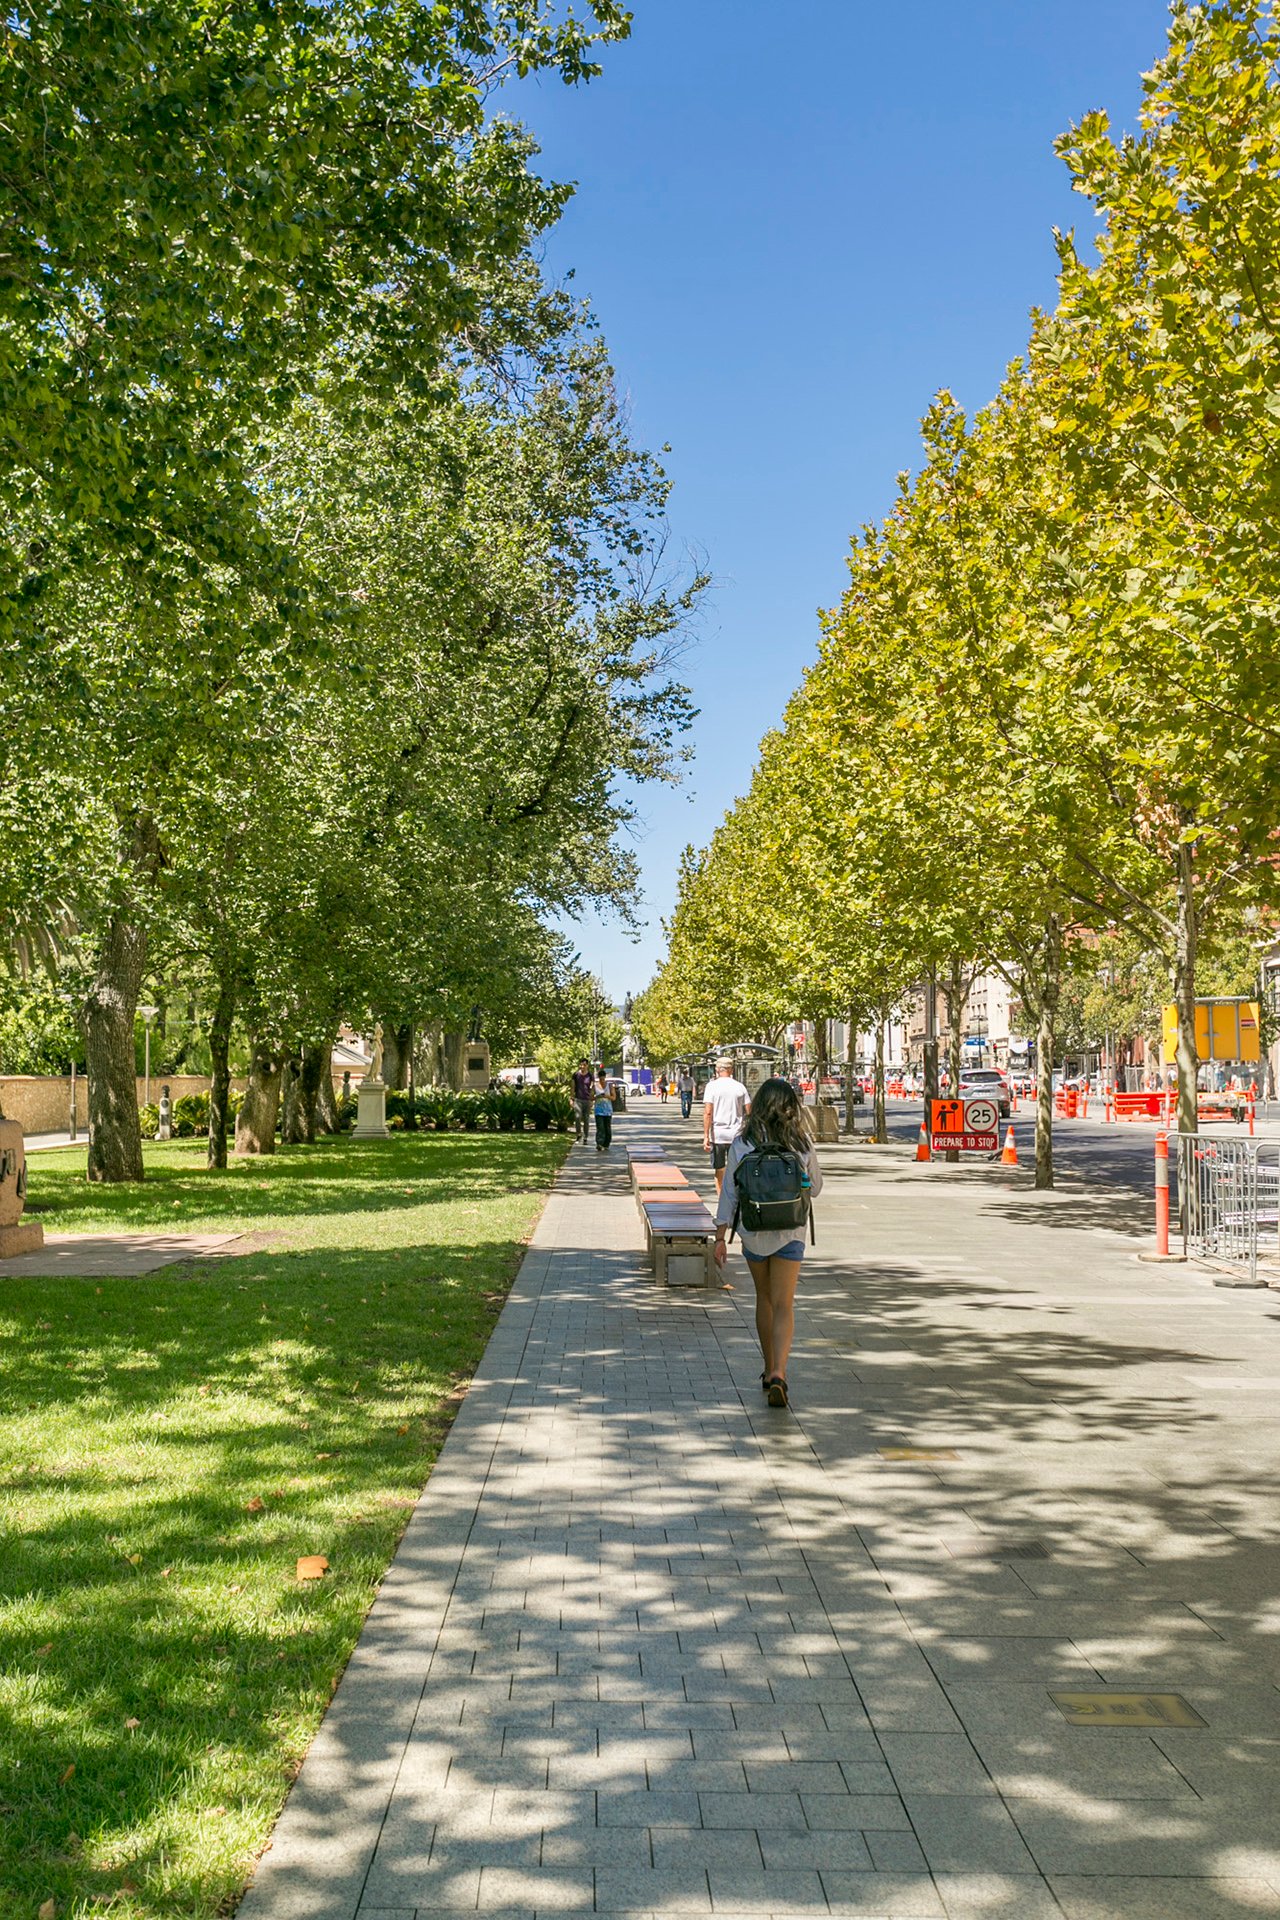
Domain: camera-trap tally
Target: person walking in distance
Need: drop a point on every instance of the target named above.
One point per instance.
(604, 1114)
(684, 1087)
(771, 1176)
(662, 1089)
(584, 1093)
(725, 1106)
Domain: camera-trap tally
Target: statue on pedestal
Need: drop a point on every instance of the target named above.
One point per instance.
(371, 1095)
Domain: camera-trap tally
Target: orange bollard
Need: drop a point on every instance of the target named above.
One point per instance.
(1252, 1110)
(1009, 1158)
(1162, 1193)
(922, 1144)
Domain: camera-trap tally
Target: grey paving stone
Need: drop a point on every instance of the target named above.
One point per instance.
(886, 1896)
(666, 1890)
(997, 1896)
(787, 1891)
(731, 1848)
(760, 1811)
(895, 1852)
(1162, 1897)
(858, 1812)
(545, 1889)
(819, 1850)
(935, 1763)
(651, 1809)
(794, 1776)
(962, 1831)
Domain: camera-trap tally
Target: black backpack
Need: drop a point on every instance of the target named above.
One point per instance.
(773, 1191)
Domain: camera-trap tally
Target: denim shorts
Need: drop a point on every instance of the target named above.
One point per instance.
(794, 1250)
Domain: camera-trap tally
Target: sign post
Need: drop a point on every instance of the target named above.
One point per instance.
(964, 1126)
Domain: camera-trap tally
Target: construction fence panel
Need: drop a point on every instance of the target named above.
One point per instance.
(1229, 1198)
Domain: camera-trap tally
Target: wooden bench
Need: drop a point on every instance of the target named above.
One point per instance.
(655, 1177)
(680, 1235)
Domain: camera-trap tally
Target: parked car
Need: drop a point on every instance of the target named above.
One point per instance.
(989, 1081)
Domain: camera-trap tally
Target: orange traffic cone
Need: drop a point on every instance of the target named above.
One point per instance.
(1009, 1158)
(922, 1144)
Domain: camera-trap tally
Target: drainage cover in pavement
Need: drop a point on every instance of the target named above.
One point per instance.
(917, 1453)
(1126, 1710)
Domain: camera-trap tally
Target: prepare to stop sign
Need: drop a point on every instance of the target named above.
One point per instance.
(965, 1126)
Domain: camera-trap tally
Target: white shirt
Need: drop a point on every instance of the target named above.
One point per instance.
(728, 1102)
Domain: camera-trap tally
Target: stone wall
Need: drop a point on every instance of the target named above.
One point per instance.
(42, 1104)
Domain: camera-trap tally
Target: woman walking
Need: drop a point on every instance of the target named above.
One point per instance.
(779, 1179)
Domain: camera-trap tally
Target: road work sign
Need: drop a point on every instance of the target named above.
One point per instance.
(964, 1126)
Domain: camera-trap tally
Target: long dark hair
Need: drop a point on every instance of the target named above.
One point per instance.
(774, 1119)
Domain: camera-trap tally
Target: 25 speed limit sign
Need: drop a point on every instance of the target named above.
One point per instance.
(964, 1126)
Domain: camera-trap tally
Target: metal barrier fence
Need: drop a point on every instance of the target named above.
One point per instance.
(1229, 1198)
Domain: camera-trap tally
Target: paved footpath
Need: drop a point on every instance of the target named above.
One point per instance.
(649, 1648)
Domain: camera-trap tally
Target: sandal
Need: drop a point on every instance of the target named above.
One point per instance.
(777, 1390)
(764, 1382)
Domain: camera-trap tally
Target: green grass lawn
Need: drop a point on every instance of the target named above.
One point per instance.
(170, 1446)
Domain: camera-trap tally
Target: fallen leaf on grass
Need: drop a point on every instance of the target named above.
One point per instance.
(46, 1648)
(64, 1777)
(48, 1910)
(324, 1456)
(165, 1572)
(312, 1566)
(255, 1505)
(235, 1589)
(132, 1722)
(202, 1389)
(402, 1431)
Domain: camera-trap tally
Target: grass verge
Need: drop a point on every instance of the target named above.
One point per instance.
(171, 1445)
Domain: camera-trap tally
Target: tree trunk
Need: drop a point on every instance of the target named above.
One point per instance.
(326, 1102)
(220, 1057)
(955, 1036)
(293, 1130)
(819, 1057)
(930, 1048)
(453, 1048)
(880, 1129)
(315, 1073)
(115, 1138)
(1184, 990)
(396, 1042)
(1048, 989)
(256, 1122)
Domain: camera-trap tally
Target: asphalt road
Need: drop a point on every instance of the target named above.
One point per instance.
(1118, 1155)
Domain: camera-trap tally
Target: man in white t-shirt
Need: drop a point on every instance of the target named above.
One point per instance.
(725, 1105)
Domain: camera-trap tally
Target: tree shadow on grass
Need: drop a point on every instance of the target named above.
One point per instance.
(333, 1176)
(171, 1445)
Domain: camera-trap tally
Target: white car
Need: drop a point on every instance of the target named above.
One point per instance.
(975, 1082)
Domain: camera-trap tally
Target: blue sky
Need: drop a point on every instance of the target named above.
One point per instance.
(796, 224)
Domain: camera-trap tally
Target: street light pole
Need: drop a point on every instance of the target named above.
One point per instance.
(148, 1014)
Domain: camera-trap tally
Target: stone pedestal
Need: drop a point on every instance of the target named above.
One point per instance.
(371, 1111)
(16, 1235)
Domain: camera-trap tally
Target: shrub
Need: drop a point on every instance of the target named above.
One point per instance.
(437, 1107)
(560, 1108)
(149, 1120)
(191, 1115)
(469, 1110)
